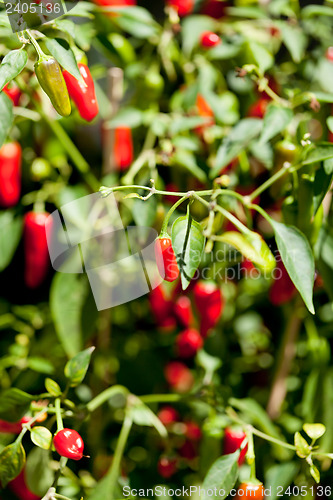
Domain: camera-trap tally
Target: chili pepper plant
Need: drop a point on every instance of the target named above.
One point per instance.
(209, 122)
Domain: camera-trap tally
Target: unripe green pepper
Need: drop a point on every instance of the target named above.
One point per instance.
(51, 80)
(123, 47)
(305, 203)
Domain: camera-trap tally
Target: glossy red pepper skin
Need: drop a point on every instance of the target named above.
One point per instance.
(123, 148)
(167, 467)
(258, 108)
(20, 489)
(183, 7)
(168, 415)
(84, 96)
(36, 252)
(166, 259)
(178, 376)
(249, 490)
(10, 174)
(233, 439)
(183, 311)
(68, 443)
(282, 289)
(209, 39)
(13, 93)
(188, 343)
(209, 302)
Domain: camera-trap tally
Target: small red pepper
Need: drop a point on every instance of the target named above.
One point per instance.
(13, 93)
(166, 259)
(115, 3)
(329, 54)
(84, 96)
(183, 311)
(209, 302)
(161, 307)
(193, 431)
(167, 467)
(20, 489)
(13, 427)
(178, 376)
(214, 8)
(123, 148)
(35, 248)
(282, 289)
(10, 174)
(183, 7)
(233, 439)
(168, 415)
(188, 343)
(209, 39)
(258, 108)
(255, 491)
(68, 443)
(188, 450)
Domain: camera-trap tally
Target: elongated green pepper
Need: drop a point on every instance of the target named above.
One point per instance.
(52, 82)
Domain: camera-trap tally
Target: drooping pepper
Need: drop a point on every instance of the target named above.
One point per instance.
(13, 93)
(183, 7)
(166, 259)
(51, 80)
(123, 148)
(20, 489)
(35, 248)
(188, 343)
(233, 439)
(68, 443)
(183, 311)
(209, 302)
(83, 94)
(10, 174)
(13, 427)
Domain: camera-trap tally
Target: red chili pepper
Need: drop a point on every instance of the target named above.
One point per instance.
(188, 343)
(193, 431)
(329, 54)
(10, 174)
(188, 450)
(13, 93)
(205, 111)
(123, 148)
(209, 302)
(162, 309)
(258, 108)
(183, 7)
(233, 439)
(283, 289)
(178, 376)
(255, 491)
(35, 248)
(19, 487)
(166, 259)
(183, 311)
(167, 467)
(115, 3)
(13, 427)
(209, 39)
(84, 96)
(214, 8)
(68, 443)
(168, 415)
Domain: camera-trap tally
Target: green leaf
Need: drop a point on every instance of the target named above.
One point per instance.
(237, 140)
(187, 160)
(184, 123)
(302, 447)
(314, 431)
(144, 212)
(135, 20)
(316, 10)
(40, 365)
(225, 106)
(209, 363)
(294, 39)
(77, 367)
(52, 387)
(67, 298)
(322, 182)
(143, 415)
(197, 25)
(276, 120)
(318, 154)
(324, 74)
(7, 117)
(281, 475)
(12, 460)
(253, 247)
(261, 56)
(10, 235)
(128, 117)
(315, 473)
(65, 57)
(222, 475)
(297, 257)
(38, 472)
(12, 65)
(41, 437)
(188, 243)
(14, 403)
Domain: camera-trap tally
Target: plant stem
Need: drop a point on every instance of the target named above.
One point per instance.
(269, 182)
(39, 51)
(57, 405)
(105, 396)
(161, 398)
(171, 211)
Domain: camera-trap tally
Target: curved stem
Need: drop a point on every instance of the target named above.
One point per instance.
(57, 405)
(161, 398)
(105, 396)
(39, 51)
(171, 211)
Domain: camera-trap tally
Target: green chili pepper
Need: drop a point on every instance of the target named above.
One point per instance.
(52, 82)
(305, 203)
